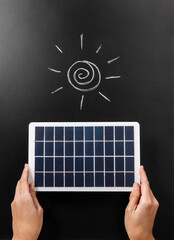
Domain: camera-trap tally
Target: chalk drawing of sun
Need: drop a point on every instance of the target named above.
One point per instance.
(84, 75)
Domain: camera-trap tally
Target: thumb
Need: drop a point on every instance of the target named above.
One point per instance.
(134, 197)
(33, 195)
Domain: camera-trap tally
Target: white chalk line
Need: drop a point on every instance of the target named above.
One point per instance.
(87, 82)
(113, 77)
(104, 97)
(54, 70)
(59, 49)
(81, 103)
(78, 88)
(113, 60)
(57, 90)
(99, 48)
(81, 41)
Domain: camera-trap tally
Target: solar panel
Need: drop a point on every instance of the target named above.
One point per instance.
(84, 156)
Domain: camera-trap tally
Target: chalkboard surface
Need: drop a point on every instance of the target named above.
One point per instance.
(140, 34)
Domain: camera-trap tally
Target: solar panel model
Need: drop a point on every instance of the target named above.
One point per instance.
(84, 156)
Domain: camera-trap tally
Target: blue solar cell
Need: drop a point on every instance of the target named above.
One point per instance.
(59, 179)
(38, 148)
(89, 180)
(39, 132)
(59, 133)
(109, 148)
(38, 164)
(109, 164)
(129, 179)
(119, 148)
(99, 180)
(98, 148)
(58, 164)
(48, 164)
(79, 133)
(99, 166)
(109, 179)
(69, 180)
(59, 149)
(119, 179)
(49, 133)
(69, 148)
(89, 151)
(109, 133)
(69, 164)
(119, 133)
(48, 179)
(89, 133)
(119, 163)
(129, 133)
(39, 179)
(129, 163)
(69, 133)
(79, 163)
(89, 164)
(49, 149)
(79, 180)
(99, 133)
(129, 148)
(79, 149)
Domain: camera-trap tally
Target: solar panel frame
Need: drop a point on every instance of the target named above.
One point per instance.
(88, 186)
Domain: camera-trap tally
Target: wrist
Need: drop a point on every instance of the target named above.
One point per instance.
(23, 238)
(143, 238)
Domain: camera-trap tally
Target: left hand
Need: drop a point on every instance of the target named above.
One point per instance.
(26, 211)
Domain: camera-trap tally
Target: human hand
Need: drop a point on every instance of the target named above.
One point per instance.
(26, 211)
(141, 210)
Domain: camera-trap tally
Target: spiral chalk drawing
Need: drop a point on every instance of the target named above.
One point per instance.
(84, 75)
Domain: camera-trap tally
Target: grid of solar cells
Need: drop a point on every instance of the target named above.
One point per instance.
(84, 156)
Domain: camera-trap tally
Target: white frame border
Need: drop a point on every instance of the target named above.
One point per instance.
(31, 155)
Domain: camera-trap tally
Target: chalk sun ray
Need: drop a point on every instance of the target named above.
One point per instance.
(54, 70)
(113, 77)
(113, 60)
(81, 41)
(99, 48)
(81, 103)
(59, 49)
(104, 97)
(58, 89)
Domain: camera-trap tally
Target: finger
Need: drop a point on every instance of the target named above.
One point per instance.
(33, 195)
(24, 179)
(25, 173)
(145, 188)
(134, 197)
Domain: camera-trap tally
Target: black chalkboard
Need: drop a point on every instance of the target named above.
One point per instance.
(140, 32)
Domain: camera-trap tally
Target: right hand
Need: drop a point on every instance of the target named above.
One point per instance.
(141, 210)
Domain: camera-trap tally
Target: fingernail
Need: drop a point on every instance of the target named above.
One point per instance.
(135, 187)
(26, 165)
